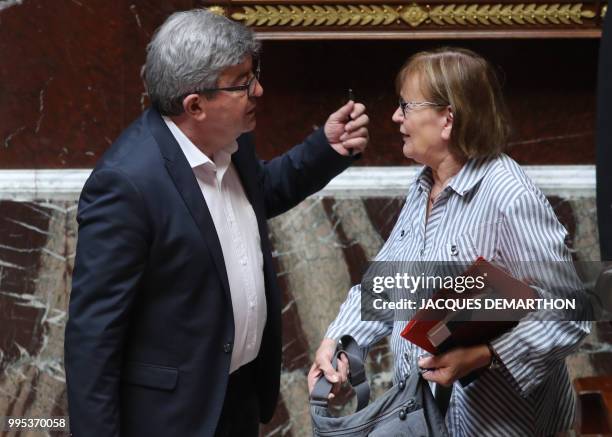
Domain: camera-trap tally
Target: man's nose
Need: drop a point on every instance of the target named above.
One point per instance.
(258, 89)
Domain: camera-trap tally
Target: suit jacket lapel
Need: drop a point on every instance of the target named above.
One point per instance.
(271, 342)
(245, 173)
(243, 162)
(248, 178)
(187, 186)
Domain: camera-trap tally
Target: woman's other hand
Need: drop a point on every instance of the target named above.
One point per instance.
(447, 368)
(322, 366)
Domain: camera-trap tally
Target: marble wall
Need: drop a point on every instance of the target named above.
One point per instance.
(37, 243)
(321, 248)
(70, 82)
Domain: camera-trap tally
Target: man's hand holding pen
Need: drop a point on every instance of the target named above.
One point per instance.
(346, 129)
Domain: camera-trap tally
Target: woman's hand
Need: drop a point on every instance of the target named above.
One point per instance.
(447, 368)
(322, 366)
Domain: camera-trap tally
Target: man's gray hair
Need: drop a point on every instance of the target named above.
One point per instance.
(188, 52)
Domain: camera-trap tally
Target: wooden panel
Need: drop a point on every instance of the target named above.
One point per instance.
(549, 85)
(595, 405)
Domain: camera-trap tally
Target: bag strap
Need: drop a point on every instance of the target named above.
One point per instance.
(357, 376)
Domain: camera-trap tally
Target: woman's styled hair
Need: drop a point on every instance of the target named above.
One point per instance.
(466, 82)
(188, 52)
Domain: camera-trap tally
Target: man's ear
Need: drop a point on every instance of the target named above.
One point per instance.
(194, 106)
(448, 124)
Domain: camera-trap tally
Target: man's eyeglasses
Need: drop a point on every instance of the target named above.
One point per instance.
(249, 87)
(411, 106)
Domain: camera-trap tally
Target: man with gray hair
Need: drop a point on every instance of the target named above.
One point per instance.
(175, 315)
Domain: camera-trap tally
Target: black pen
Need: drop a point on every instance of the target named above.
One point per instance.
(351, 96)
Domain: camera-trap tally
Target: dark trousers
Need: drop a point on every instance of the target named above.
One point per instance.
(240, 414)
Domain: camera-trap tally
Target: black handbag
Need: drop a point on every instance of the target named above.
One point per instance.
(407, 409)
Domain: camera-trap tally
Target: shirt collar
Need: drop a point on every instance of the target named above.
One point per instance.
(195, 157)
(463, 182)
(425, 179)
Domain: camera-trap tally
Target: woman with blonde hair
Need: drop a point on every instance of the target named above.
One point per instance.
(470, 200)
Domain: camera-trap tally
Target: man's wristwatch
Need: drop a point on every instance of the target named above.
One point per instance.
(495, 361)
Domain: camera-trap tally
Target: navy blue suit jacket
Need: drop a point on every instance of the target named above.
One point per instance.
(150, 330)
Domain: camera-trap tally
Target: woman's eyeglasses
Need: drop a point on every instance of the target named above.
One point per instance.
(411, 106)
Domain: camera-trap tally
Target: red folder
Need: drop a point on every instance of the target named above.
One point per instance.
(438, 330)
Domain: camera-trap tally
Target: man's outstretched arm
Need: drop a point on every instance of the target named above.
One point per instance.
(308, 167)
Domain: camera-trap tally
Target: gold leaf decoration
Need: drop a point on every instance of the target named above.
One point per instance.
(414, 15)
(350, 15)
(512, 14)
(216, 10)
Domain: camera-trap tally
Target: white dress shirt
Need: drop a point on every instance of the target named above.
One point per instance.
(236, 227)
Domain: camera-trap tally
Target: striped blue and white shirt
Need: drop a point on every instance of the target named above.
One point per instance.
(490, 209)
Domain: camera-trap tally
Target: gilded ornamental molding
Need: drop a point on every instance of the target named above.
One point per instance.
(328, 15)
(414, 15)
(217, 10)
(510, 14)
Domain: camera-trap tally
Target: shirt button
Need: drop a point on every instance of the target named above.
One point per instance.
(227, 347)
(243, 261)
(422, 251)
(454, 251)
